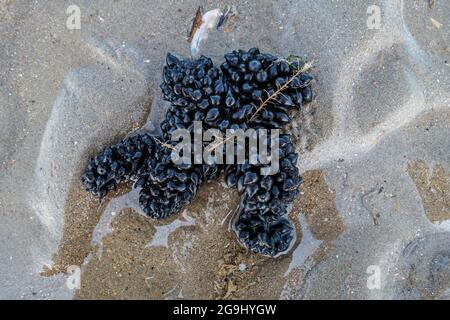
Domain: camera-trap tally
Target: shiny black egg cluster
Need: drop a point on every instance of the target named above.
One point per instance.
(261, 222)
(254, 77)
(223, 98)
(229, 98)
(117, 163)
(166, 186)
(263, 237)
(196, 91)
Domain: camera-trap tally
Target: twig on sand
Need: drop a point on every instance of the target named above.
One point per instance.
(165, 145)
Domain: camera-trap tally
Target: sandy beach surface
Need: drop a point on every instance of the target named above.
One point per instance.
(373, 217)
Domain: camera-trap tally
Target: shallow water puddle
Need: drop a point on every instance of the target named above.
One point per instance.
(161, 237)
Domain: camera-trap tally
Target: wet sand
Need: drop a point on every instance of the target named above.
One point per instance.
(374, 148)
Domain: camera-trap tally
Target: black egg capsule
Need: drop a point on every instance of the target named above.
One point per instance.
(262, 77)
(307, 94)
(250, 178)
(254, 66)
(212, 115)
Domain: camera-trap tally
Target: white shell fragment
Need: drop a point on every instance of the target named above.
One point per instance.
(210, 21)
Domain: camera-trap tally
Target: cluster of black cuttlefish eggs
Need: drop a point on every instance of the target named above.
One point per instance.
(224, 98)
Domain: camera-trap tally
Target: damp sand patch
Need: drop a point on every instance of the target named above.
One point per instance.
(433, 184)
